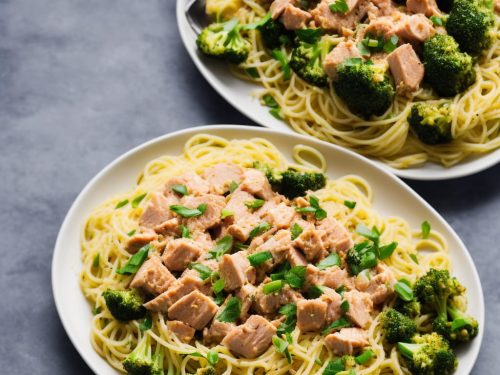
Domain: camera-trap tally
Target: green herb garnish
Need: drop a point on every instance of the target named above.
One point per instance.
(135, 261)
(121, 204)
(331, 260)
(180, 189)
(259, 258)
(231, 312)
(135, 202)
(189, 212)
(339, 6)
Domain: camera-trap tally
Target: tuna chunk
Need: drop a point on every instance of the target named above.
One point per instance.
(381, 26)
(183, 332)
(169, 227)
(294, 18)
(195, 309)
(426, 7)
(279, 246)
(211, 216)
(329, 20)
(311, 314)
(270, 303)
(278, 7)
(296, 258)
(140, 239)
(337, 236)
(153, 277)
(406, 68)
(251, 339)
(221, 175)
(344, 50)
(217, 331)
(235, 270)
(246, 296)
(188, 282)
(311, 243)
(157, 211)
(256, 183)
(180, 252)
(379, 286)
(194, 183)
(332, 277)
(333, 301)
(243, 221)
(280, 216)
(415, 29)
(347, 340)
(360, 306)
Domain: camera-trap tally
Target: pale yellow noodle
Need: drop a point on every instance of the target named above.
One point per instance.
(105, 233)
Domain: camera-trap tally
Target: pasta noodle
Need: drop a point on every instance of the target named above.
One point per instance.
(320, 113)
(105, 235)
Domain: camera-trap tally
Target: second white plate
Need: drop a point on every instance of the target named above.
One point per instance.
(239, 94)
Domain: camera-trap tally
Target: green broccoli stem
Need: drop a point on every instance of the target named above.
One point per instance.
(407, 349)
(459, 318)
(442, 310)
(158, 358)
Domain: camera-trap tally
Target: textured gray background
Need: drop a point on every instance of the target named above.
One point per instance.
(81, 82)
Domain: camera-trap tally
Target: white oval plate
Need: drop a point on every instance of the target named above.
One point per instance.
(239, 94)
(392, 197)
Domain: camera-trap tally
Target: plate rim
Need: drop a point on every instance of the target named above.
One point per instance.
(479, 162)
(58, 246)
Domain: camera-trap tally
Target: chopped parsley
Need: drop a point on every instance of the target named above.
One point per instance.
(121, 204)
(223, 246)
(231, 312)
(135, 202)
(135, 261)
(339, 6)
(189, 212)
(426, 229)
(180, 189)
(296, 230)
(259, 258)
(350, 204)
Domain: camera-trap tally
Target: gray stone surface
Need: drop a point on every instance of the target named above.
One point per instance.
(81, 82)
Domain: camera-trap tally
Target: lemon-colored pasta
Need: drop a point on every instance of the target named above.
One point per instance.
(105, 235)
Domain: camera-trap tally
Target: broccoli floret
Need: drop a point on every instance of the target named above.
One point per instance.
(274, 34)
(296, 184)
(434, 290)
(142, 361)
(447, 70)
(291, 183)
(411, 308)
(431, 123)
(428, 355)
(124, 304)
(471, 24)
(463, 328)
(397, 327)
(223, 40)
(364, 87)
(307, 61)
(360, 257)
(272, 175)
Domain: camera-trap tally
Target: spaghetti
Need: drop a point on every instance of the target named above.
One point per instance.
(108, 229)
